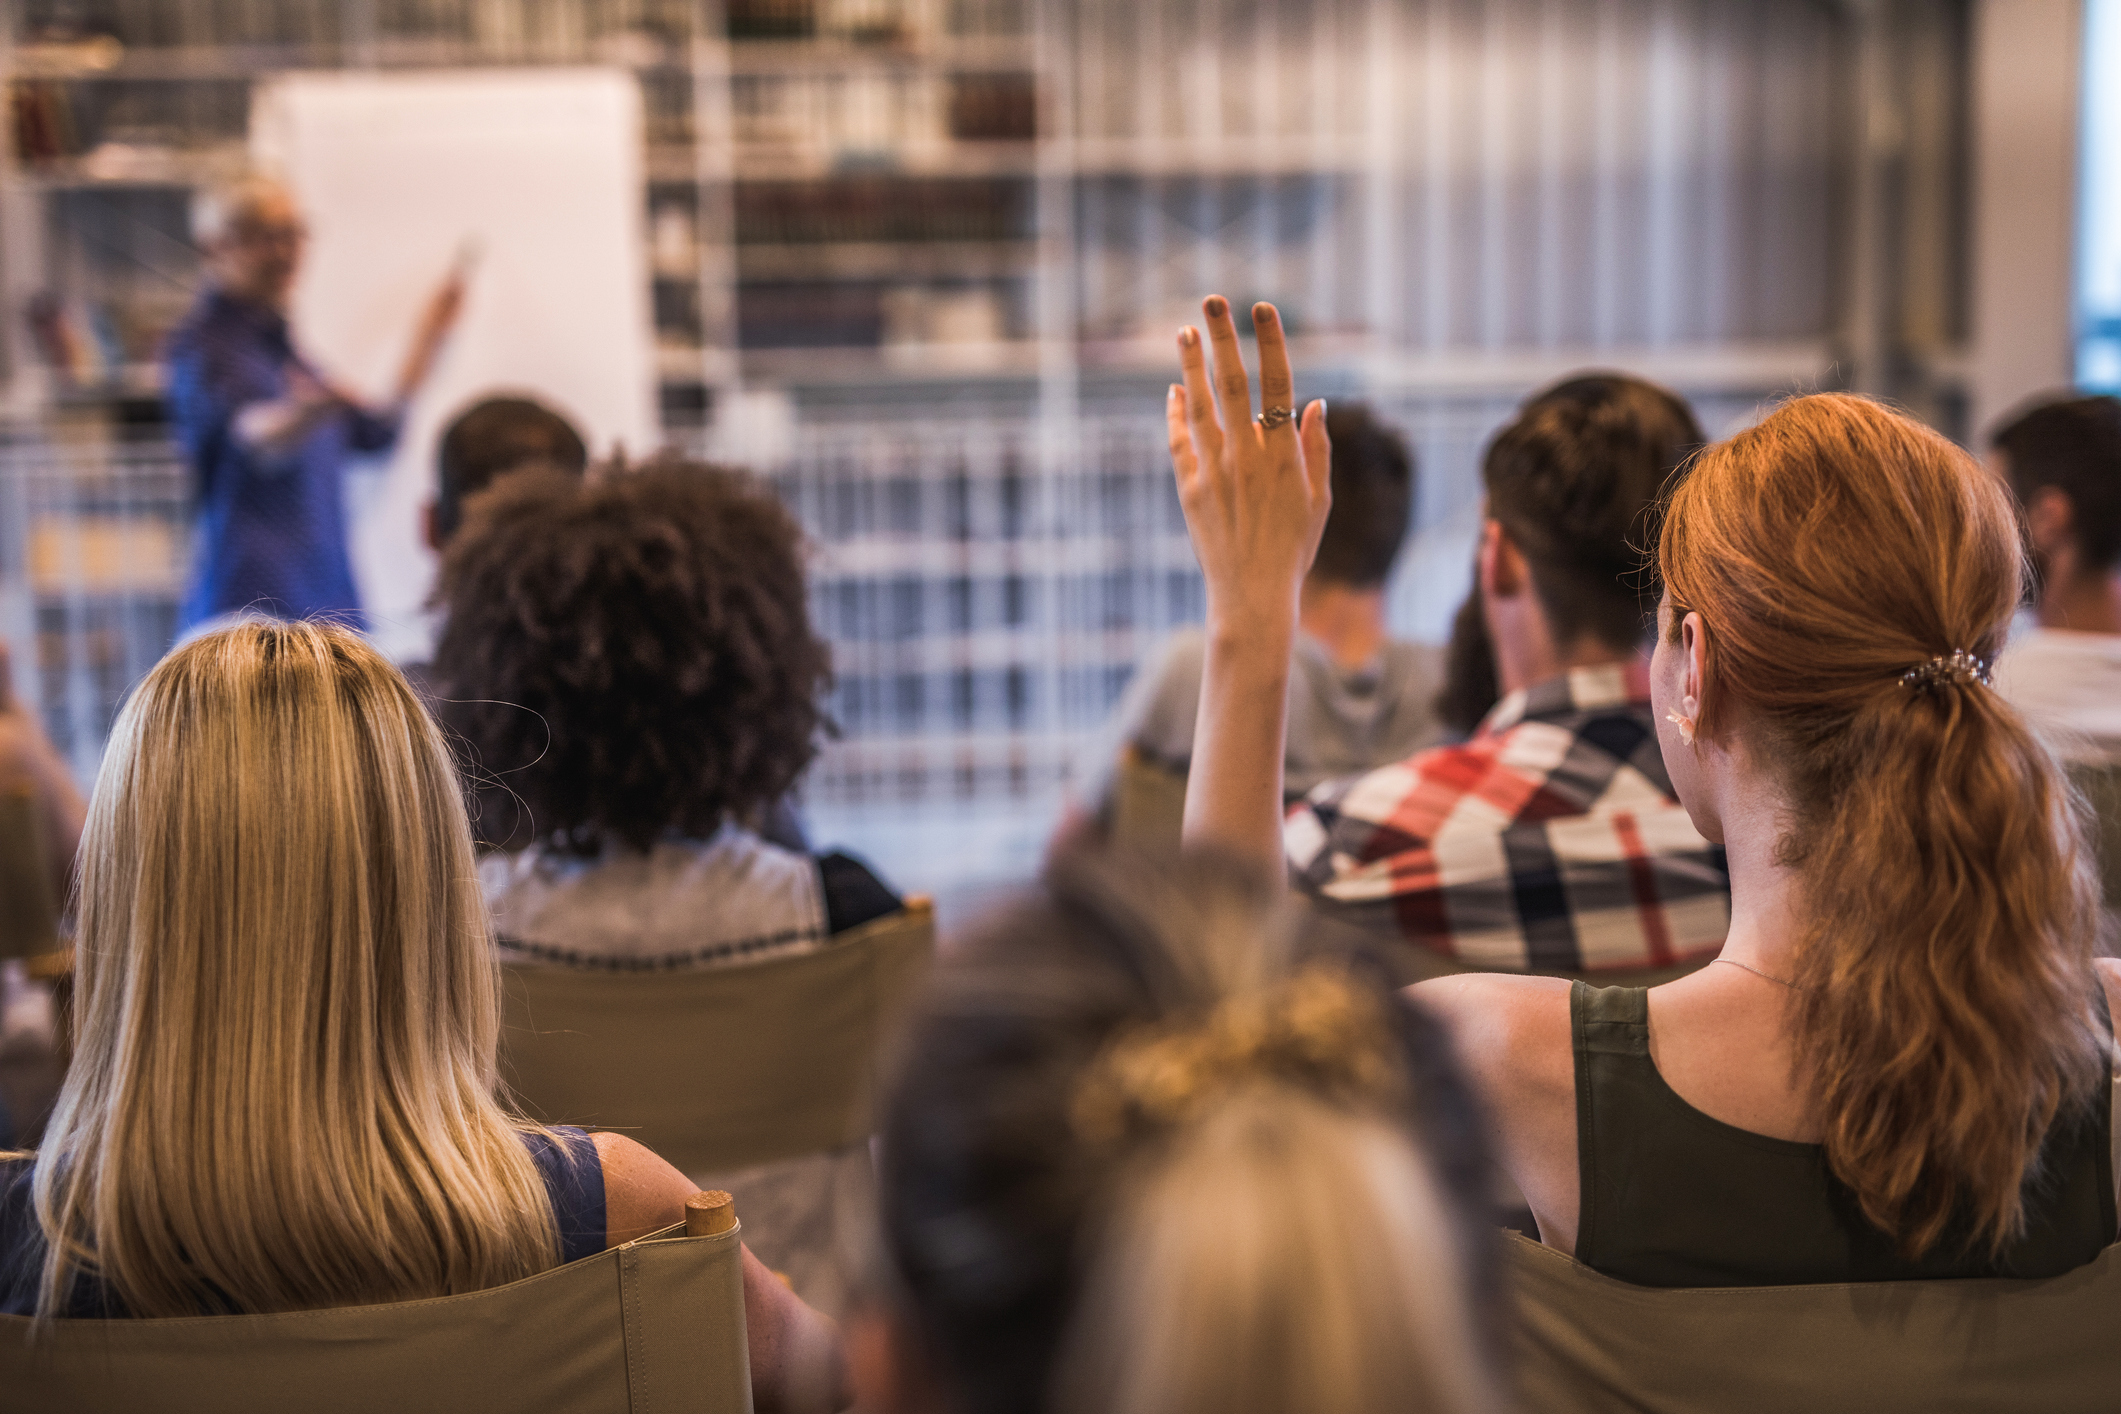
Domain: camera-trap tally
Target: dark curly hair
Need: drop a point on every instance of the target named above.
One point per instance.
(628, 656)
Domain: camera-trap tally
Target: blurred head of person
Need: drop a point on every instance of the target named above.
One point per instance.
(253, 236)
(282, 1095)
(1147, 1153)
(1573, 482)
(2062, 458)
(1943, 985)
(628, 657)
(493, 437)
(1373, 501)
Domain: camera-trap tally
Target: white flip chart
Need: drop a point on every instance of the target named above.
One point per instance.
(537, 175)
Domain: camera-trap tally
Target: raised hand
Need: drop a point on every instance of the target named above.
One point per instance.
(1255, 493)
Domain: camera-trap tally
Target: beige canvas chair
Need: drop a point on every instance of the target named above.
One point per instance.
(2101, 788)
(29, 908)
(656, 1325)
(1148, 803)
(1587, 1343)
(790, 1045)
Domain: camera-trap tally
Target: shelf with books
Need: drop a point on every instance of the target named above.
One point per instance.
(935, 53)
(886, 260)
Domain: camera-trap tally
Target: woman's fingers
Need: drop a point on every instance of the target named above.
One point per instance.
(1277, 385)
(1200, 401)
(1318, 448)
(1233, 389)
(1184, 460)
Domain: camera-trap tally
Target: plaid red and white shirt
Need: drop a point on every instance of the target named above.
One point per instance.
(1549, 841)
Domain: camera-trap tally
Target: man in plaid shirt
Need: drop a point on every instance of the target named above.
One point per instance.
(1551, 840)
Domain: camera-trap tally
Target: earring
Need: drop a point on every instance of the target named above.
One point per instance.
(1685, 725)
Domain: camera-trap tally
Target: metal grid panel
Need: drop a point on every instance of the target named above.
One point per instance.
(92, 541)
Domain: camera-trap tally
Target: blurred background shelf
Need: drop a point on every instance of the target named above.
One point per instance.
(920, 263)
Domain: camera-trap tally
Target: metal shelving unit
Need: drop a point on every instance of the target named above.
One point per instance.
(919, 261)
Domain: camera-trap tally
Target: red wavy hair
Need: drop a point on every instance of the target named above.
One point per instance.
(1944, 1014)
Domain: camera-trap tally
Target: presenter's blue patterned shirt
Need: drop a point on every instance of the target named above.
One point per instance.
(271, 527)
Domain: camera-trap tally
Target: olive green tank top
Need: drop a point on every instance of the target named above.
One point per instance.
(1672, 1197)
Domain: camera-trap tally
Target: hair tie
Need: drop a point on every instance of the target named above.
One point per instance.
(1312, 1030)
(1957, 668)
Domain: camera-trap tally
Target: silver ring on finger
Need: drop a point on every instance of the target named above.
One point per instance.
(1271, 418)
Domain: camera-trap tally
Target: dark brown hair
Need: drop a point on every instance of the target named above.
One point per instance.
(491, 438)
(628, 656)
(1944, 1012)
(1575, 478)
(2073, 445)
(1373, 499)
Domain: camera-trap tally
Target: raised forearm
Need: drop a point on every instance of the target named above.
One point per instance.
(1234, 794)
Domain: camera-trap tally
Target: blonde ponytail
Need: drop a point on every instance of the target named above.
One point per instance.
(1151, 1155)
(1853, 571)
(1279, 1253)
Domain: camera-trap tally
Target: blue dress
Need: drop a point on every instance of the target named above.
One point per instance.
(271, 528)
(574, 1181)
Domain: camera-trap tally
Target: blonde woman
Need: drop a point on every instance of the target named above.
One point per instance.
(283, 1091)
(1897, 1065)
(1154, 1152)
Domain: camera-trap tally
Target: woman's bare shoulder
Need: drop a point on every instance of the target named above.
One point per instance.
(643, 1191)
(1512, 1031)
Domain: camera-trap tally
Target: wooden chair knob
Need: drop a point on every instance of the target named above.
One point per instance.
(709, 1213)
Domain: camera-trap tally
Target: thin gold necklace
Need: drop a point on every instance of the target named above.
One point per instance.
(1756, 972)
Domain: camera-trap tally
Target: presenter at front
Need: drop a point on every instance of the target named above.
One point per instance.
(267, 434)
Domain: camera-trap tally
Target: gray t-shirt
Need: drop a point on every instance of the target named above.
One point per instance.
(1341, 721)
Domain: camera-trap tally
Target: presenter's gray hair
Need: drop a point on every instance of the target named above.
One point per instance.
(217, 208)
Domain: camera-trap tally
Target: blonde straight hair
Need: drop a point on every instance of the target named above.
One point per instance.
(283, 1091)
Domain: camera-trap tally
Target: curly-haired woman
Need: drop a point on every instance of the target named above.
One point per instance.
(630, 664)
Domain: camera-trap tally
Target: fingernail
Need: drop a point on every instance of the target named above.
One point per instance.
(1263, 310)
(1173, 394)
(1217, 306)
(1187, 338)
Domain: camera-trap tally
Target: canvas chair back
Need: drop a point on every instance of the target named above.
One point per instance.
(656, 1325)
(1148, 804)
(2101, 788)
(1586, 1342)
(724, 1068)
(29, 907)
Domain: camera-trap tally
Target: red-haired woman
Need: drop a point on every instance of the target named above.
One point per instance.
(1898, 1067)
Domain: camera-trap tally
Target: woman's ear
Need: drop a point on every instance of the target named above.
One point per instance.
(1693, 671)
(887, 1366)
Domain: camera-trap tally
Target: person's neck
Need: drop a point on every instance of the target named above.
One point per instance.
(2082, 602)
(1527, 660)
(1349, 623)
(1764, 891)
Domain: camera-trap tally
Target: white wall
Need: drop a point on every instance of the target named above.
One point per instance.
(2028, 61)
